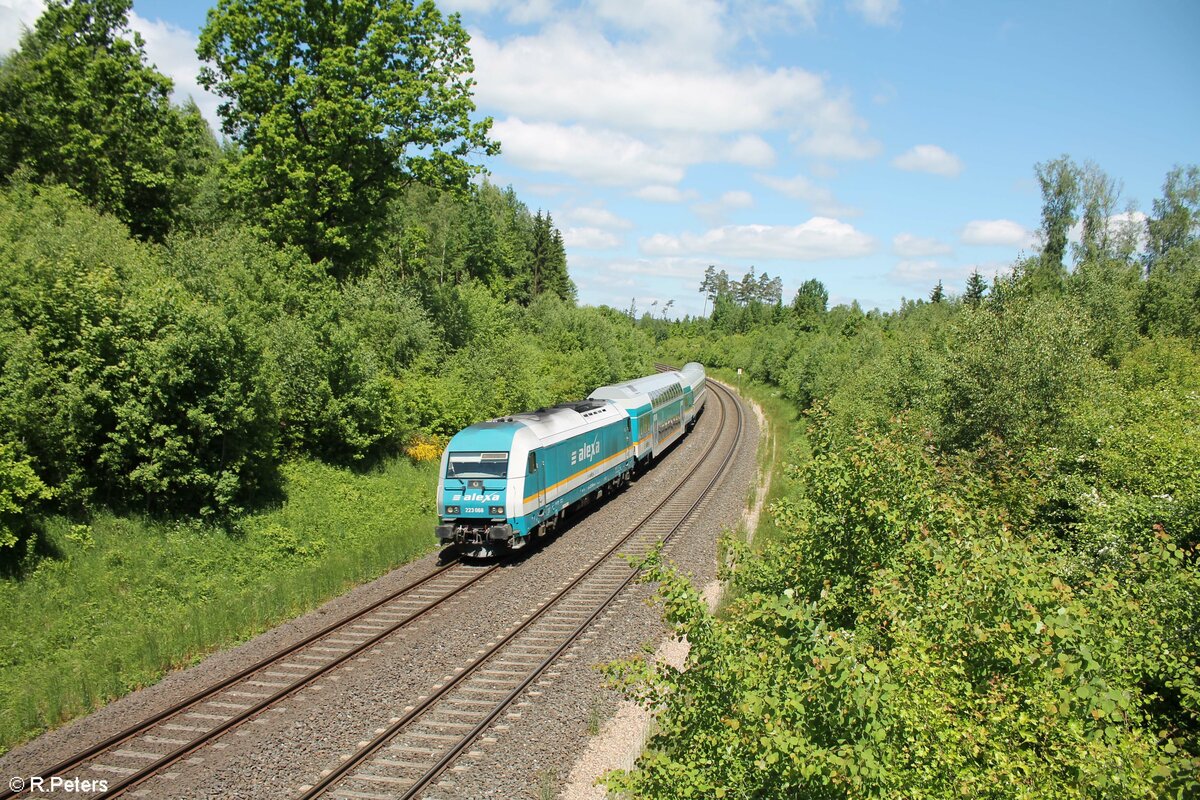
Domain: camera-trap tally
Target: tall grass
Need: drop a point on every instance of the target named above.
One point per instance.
(128, 599)
(783, 442)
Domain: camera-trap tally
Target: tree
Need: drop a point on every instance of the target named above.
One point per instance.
(709, 285)
(811, 299)
(338, 107)
(938, 294)
(1059, 180)
(1176, 218)
(80, 105)
(548, 265)
(976, 287)
(1098, 195)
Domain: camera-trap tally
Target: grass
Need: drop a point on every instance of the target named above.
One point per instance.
(547, 784)
(126, 599)
(784, 443)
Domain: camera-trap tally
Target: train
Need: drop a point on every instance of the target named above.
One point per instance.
(507, 480)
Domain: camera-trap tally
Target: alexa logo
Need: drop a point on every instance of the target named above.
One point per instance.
(586, 453)
(477, 497)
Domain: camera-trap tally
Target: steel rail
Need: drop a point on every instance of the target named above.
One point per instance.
(343, 769)
(79, 759)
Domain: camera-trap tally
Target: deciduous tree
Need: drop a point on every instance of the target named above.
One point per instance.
(80, 105)
(338, 105)
(1059, 181)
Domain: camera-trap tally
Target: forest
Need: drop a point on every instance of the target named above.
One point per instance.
(228, 362)
(980, 575)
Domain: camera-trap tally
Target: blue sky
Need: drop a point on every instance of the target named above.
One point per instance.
(877, 145)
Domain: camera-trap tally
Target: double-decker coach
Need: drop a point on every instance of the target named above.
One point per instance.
(695, 391)
(655, 405)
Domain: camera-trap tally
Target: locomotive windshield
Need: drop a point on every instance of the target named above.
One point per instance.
(477, 465)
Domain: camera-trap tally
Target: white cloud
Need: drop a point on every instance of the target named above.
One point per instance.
(737, 199)
(716, 211)
(601, 156)
(662, 194)
(752, 151)
(876, 12)
(820, 198)
(15, 16)
(684, 30)
(818, 238)
(670, 81)
(531, 11)
(919, 272)
(681, 269)
(596, 217)
(929, 158)
(824, 170)
(997, 232)
(470, 6)
(835, 131)
(617, 158)
(927, 272)
(906, 245)
(590, 239)
(568, 74)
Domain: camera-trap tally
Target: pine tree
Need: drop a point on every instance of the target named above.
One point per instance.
(938, 294)
(976, 287)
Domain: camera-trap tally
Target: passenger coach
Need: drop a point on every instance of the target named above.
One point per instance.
(660, 407)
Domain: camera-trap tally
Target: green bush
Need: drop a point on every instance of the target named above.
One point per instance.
(941, 656)
(21, 493)
(124, 387)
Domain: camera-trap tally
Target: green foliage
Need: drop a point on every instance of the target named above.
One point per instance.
(1059, 180)
(437, 240)
(123, 387)
(976, 289)
(337, 107)
(903, 643)
(1176, 219)
(1170, 300)
(21, 492)
(79, 105)
(811, 300)
(1015, 372)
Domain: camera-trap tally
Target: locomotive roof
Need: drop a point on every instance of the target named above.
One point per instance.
(545, 423)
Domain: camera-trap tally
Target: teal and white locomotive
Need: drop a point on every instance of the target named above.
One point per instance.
(506, 480)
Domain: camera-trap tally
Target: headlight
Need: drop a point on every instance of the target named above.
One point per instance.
(496, 511)
(453, 509)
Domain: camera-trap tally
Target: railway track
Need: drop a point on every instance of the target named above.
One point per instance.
(405, 758)
(143, 750)
(420, 744)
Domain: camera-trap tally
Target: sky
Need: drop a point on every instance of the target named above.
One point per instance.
(879, 146)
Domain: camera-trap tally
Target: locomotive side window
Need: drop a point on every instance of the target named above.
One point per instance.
(532, 464)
